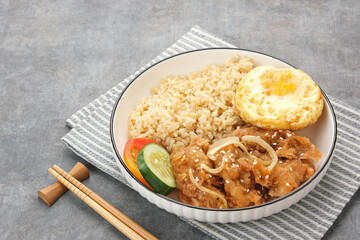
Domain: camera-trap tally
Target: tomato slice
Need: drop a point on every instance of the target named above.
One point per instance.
(131, 149)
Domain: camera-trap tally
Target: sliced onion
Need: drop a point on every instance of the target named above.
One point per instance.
(214, 170)
(216, 146)
(204, 189)
(268, 148)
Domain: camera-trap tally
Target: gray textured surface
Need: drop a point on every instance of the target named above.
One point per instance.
(57, 56)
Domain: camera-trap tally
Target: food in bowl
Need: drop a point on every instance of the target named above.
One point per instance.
(250, 168)
(199, 104)
(153, 161)
(278, 98)
(149, 162)
(186, 114)
(131, 150)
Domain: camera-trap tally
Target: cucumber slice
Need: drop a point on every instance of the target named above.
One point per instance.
(154, 164)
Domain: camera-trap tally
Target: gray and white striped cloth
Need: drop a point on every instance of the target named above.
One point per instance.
(310, 218)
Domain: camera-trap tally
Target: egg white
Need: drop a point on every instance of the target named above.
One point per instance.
(292, 110)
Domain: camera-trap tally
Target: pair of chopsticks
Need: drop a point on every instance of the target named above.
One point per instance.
(119, 220)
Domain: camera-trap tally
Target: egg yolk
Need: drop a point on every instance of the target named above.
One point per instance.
(278, 82)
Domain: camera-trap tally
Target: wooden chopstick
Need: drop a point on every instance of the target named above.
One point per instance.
(110, 208)
(105, 209)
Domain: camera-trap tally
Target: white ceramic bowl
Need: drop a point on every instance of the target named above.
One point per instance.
(322, 134)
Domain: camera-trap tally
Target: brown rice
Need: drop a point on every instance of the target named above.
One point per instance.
(199, 104)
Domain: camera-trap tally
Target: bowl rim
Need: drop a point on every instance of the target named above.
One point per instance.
(317, 173)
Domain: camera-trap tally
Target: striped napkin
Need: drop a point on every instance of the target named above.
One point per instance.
(310, 218)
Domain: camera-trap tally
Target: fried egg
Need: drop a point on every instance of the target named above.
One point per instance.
(278, 98)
